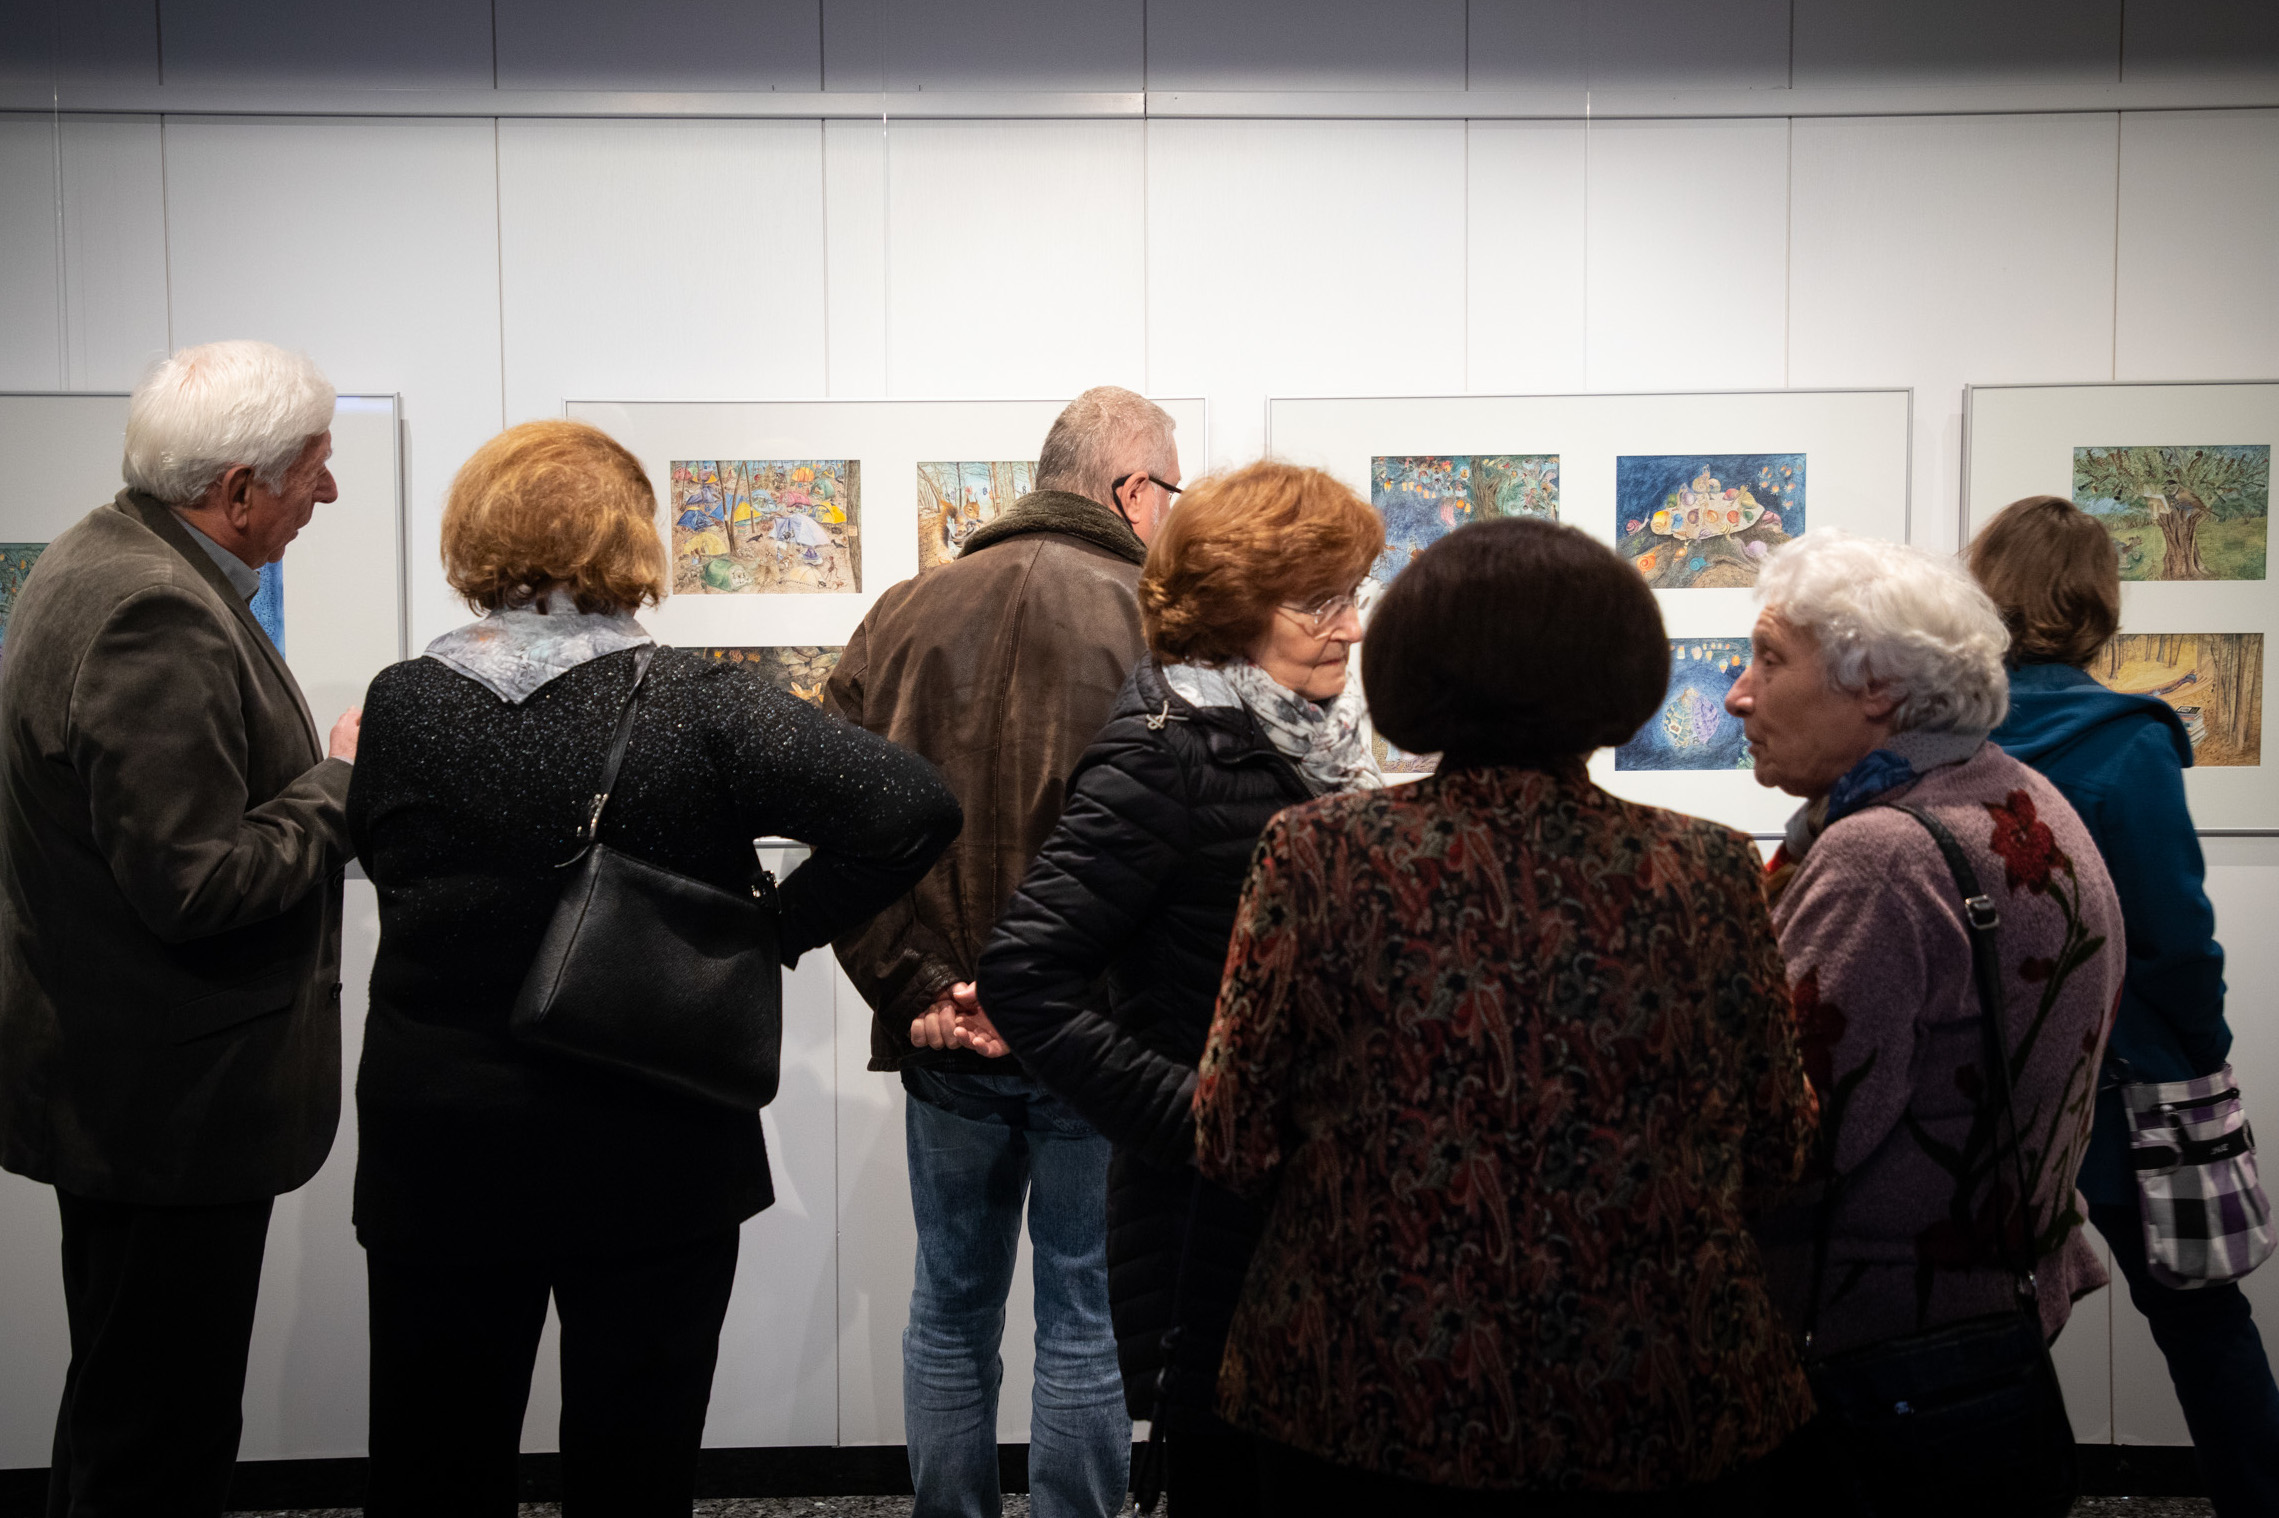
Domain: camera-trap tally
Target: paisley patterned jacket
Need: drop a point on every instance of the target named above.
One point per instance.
(1505, 1052)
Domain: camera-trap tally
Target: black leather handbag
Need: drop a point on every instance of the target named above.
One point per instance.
(655, 975)
(1968, 1418)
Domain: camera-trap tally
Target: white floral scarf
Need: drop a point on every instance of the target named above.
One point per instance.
(1325, 740)
(511, 653)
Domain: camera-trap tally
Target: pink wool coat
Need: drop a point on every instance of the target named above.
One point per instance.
(1879, 963)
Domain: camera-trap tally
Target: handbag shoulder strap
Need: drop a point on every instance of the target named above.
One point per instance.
(1982, 921)
(616, 760)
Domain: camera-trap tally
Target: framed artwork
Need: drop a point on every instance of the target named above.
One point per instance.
(1694, 490)
(801, 670)
(788, 518)
(335, 607)
(957, 500)
(2180, 476)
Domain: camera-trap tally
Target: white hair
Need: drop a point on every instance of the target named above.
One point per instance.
(1890, 616)
(1102, 433)
(218, 405)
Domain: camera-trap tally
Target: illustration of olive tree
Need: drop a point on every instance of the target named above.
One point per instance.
(2181, 487)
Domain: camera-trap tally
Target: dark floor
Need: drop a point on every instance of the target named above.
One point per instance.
(1018, 1507)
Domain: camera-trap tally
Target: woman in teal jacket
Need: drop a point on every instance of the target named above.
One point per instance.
(2120, 759)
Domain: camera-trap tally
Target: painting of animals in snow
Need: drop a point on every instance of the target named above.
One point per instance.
(2180, 513)
(955, 501)
(1706, 520)
(2214, 680)
(1425, 497)
(1692, 730)
(800, 670)
(759, 526)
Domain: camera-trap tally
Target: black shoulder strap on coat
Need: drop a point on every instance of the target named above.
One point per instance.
(618, 745)
(1982, 920)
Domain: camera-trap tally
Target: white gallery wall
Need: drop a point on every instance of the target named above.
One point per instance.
(1237, 200)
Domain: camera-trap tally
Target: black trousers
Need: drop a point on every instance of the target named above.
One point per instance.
(1299, 1485)
(453, 1343)
(1210, 1469)
(160, 1305)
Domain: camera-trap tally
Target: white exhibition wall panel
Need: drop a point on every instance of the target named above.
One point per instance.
(35, 1338)
(306, 1377)
(1526, 276)
(854, 239)
(1302, 258)
(1937, 251)
(31, 296)
(1688, 263)
(2198, 291)
(114, 250)
(672, 259)
(386, 272)
(1016, 259)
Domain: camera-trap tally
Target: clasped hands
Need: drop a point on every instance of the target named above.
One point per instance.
(956, 1021)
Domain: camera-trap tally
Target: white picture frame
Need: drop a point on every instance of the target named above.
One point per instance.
(890, 439)
(2020, 440)
(1859, 471)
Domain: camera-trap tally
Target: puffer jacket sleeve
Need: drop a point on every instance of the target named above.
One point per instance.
(1126, 827)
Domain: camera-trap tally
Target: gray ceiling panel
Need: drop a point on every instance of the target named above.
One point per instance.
(1527, 44)
(1687, 45)
(660, 45)
(67, 42)
(1842, 42)
(404, 44)
(2181, 37)
(1305, 45)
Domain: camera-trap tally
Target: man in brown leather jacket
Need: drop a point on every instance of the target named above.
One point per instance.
(171, 846)
(1000, 667)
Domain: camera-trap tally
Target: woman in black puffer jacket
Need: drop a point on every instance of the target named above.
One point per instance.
(1104, 970)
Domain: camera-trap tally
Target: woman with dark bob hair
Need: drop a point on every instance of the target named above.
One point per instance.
(491, 1175)
(1239, 710)
(2120, 759)
(1501, 1053)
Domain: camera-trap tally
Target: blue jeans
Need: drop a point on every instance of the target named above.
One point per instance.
(981, 1145)
(2216, 1360)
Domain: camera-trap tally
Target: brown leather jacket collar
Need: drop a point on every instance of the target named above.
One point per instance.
(1065, 512)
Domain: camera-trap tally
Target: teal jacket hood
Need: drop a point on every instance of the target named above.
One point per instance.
(2054, 707)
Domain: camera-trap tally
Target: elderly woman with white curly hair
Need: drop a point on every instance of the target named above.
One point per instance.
(1877, 673)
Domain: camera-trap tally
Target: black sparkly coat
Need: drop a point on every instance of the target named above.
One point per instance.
(1139, 883)
(460, 808)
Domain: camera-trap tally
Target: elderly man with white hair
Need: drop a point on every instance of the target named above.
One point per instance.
(171, 848)
(1876, 675)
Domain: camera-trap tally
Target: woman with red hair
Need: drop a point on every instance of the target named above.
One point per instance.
(1239, 710)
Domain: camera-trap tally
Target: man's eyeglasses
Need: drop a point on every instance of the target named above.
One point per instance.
(1322, 615)
(1116, 485)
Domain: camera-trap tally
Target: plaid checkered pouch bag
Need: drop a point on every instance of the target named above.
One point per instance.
(2206, 1219)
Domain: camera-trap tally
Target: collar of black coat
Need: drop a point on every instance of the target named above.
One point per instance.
(1063, 512)
(1229, 733)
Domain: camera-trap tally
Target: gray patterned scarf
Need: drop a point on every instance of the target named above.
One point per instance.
(1323, 739)
(513, 652)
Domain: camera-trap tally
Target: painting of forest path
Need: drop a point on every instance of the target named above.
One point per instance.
(2184, 513)
(1425, 497)
(1704, 521)
(1692, 730)
(754, 526)
(16, 561)
(2214, 680)
(955, 501)
(800, 669)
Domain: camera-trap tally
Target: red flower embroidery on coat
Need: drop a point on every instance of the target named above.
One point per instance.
(2029, 850)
